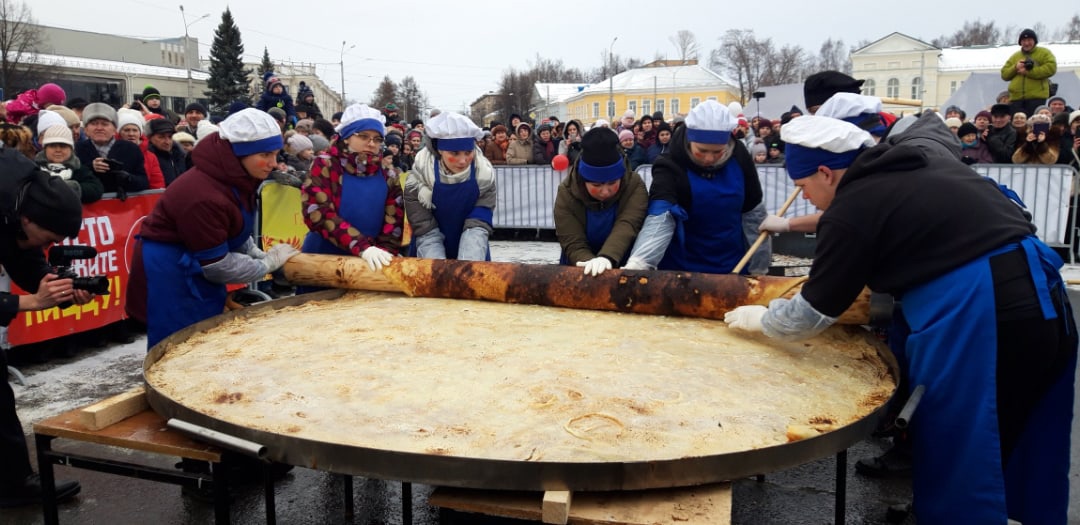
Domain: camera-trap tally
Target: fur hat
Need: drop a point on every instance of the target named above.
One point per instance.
(497, 129)
(50, 203)
(183, 137)
(966, 129)
(50, 94)
(601, 156)
(1000, 109)
(56, 134)
(98, 110)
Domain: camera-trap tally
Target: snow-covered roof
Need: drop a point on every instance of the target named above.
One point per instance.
(554, 93)
(117, 67)
(1067, 55)
(662, 79)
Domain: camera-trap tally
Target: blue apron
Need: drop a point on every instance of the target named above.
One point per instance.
(178, 293)
(454, 203)
(958, 476)
(709, 238)
(363, 205)
(598, 226)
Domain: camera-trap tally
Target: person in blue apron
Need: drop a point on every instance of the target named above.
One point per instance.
(352, 206)
(705, 201)
(450, 192)
(991, 338)
(198, 238)
(600, 206)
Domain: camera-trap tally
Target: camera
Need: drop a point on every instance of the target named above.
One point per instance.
(1029, 64)
(759, 95)
(135, 104)
(60, 258)
(117, 176)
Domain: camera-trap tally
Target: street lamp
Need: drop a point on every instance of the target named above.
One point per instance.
(611, 84)
(343, 50)
(187, 62)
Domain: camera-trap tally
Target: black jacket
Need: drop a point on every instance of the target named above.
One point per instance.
(173, 162)
(128, 154)
(26, 267)
(671, 183)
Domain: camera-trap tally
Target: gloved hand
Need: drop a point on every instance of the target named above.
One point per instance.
(255, 253)
(775, 224)
(277, 255)
(746, 317)
(596, 265)
(376, 257)
(636, 263)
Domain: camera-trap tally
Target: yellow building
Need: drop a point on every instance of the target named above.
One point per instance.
(666, 86)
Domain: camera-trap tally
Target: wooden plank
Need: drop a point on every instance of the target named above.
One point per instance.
(702, 505)
(116, 408)
(145, 431)
(555, 508)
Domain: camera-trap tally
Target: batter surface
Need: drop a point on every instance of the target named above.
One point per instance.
(532, 383)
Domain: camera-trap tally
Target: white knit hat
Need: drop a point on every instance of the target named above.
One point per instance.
(453, 132)
(251, 131)
(48, 119)
(710, 123)
(125, 117)
(56, 134)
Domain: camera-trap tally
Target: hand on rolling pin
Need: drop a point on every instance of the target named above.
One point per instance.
(376, 257)
(277, 255)
(596, 265)
(746, 318)
(636, 263)
(775, 224)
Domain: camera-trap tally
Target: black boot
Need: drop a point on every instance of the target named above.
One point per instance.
(28, 492)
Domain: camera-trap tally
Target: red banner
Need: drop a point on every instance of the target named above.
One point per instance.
(110, 226)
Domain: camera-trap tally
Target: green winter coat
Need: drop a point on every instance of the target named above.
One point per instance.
(1034, 85)
(572, 203)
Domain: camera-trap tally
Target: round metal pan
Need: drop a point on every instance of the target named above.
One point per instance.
(484, 473)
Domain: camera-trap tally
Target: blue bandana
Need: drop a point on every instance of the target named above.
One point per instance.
(243, 149)
(600, 174)
(802, 162)
(708, 136)
(462, 144)
(364, 124)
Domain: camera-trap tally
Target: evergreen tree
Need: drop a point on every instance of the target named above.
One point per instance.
(385, 93)
(266, 64)
(228, 80)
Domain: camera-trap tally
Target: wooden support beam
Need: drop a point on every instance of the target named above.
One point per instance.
(556, 507)
(114, 409)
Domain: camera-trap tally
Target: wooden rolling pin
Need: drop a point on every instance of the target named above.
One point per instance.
(687, 294)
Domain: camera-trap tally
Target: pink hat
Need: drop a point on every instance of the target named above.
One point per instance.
(626, 134)
(50, 94)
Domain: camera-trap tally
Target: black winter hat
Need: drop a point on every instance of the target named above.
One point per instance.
(820, 86)
(966, 128)
(159, 125)
(195, 106)
(50, 203)
(601, 156)
(149, 92)
(1001, 109)
(1028, 33)
(392, 139)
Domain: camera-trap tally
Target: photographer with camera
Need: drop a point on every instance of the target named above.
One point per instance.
(1028, 72)
(118, 163)
(36, 211)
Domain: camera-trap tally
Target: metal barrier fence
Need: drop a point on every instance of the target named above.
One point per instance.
(526, 195)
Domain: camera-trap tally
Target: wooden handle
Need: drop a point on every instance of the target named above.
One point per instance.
(687, 294)
(761, 238)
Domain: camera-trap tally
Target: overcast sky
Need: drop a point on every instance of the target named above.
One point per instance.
(457, 51)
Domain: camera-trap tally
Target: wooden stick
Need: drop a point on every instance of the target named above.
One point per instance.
(116, 408)
(556, 507)
(761, 238)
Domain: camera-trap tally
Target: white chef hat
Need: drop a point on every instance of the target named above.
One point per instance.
(813, 141)
(250, 131)
(360, 117)
(48, 119)
(710, 123)
(125, 117)
(861, 110)
(453, 132)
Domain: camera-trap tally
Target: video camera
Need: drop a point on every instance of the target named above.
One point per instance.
(60, 258)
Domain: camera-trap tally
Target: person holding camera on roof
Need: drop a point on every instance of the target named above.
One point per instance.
(1028, 72)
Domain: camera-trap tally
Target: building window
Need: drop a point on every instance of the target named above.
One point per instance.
(694, 102)
(631, 105)
(893, 88)
(953, 86)
(916, 88)
(595, 110)
(869, 87)
(611, 109)
(674, 107)
(646, 107)
(660, 105)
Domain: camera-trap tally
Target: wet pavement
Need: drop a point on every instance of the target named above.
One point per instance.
(801, 495)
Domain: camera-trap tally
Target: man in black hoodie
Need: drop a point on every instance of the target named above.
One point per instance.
(992, 337)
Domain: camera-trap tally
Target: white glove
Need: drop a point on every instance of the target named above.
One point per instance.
(596, 265)
(255, 253)
(636, 263)
(376, 257)
(746, 317)
(775, 224)
(277, 255)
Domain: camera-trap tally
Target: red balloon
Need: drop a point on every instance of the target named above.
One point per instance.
(560, 162)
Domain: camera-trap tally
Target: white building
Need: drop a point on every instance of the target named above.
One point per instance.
(549, 99)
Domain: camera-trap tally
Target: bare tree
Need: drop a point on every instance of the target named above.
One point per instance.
(385, 93)
(832, 57)
(975, 33)
(413, 100)
(786, 65)
(20, 40)
(754, 63)
(1072, 29)
(686, 44)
